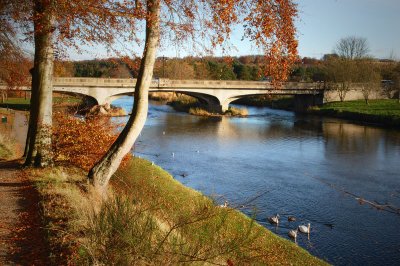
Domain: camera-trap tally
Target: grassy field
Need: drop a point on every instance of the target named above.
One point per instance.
(23, 104)
(382, 112)
(16, 104)
(375, 107)
(152, 219)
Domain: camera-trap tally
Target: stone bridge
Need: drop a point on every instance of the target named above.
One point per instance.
(216, 93)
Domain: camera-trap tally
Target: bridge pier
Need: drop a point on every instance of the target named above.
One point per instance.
(224, 107)
(217, 108)
(303, 101)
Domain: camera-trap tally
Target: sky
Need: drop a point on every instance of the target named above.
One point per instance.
(321, 24)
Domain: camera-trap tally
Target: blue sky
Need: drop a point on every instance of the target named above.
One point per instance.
(320, 25)
(323, 22)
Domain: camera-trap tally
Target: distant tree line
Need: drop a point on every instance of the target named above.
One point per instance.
(222, 68)
(240, 68)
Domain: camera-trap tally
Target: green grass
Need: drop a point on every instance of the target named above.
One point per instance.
(24, 104)
(17, 101)
(16, 104)
(383, 112)
(67, 100)
(151, 219)
(375, 107)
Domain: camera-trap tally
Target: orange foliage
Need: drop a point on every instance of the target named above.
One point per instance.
(82, 142)
(14, 66)
(14, 71)
(191, 23)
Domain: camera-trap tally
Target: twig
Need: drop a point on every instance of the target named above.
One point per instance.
(361, 200)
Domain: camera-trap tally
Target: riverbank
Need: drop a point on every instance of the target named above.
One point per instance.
(152, 218)
(384, 113)
(23, 104)
(380, 112)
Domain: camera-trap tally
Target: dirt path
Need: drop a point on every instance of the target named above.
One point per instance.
(22, 239)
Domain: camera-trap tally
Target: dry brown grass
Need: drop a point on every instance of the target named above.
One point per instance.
(169, 97)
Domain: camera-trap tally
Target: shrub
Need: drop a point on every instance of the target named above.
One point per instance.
(82, 142)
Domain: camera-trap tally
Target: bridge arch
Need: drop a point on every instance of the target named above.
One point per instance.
(212, 102)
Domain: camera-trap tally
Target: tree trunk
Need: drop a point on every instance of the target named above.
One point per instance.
(101, 173)
(38, 151)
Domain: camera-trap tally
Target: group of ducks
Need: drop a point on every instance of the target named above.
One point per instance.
(305, 229)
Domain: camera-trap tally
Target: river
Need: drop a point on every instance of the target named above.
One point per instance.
(277, 162)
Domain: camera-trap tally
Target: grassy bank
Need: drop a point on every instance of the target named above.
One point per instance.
(24, 104)
(150, 218)
(16, 104)
(68, 103)
(380, 112)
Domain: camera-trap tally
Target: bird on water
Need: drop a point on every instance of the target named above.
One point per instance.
(292, 234)
(273, 219)
(305, 229)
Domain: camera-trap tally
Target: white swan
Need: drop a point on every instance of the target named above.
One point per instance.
(293, 234)
(305, 229)
(224, 205)
(273, 219)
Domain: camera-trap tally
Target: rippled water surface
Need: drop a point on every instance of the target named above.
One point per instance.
(278, 162)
